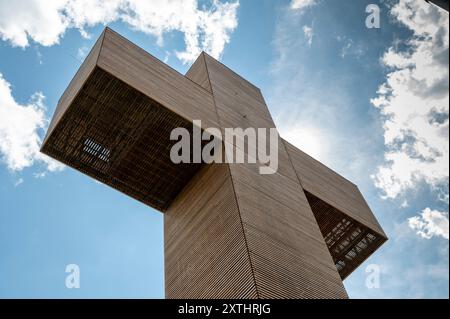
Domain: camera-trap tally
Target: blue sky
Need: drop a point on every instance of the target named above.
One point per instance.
(370, 103)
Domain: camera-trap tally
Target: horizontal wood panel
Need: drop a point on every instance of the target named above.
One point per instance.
(349, 242)
(262, 243)
(195, 195)
(279, 187)
(75, 85)
(205, 248)
(199, 74)
(230, 80)
(241, 105)
(246, 150)
(287, 250)
(121, 137)
(230, 232)
(282, 223)
(275, 281)
(157, 80)
(332, 188)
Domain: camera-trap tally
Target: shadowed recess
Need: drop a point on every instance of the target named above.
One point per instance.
(121, 137)
(349, 242)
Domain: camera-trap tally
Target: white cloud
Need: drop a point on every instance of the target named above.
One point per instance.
(20, 126)
(308, 31)
(430, 223)
(45, 22)
(404, 204)
(41, 21)
(39, 55)
(350, 48)
(302, 4)
(414, 104)
(319, 122)
(82, 53)
(18, 182)
(40, 174)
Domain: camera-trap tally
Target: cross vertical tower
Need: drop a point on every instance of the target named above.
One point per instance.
(229, 232)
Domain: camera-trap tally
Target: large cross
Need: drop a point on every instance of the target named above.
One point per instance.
(229, 231)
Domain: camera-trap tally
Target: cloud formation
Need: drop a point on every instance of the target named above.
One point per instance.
(430, 223)
(308, 31)
(45, 22)
(20, 126)
(414, 104)
(302, 4)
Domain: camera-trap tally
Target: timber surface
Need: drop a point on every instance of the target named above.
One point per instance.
(349, 241)
(204, 245)
(75, 85)
(229, 231)
(287, 251)
(121, 137)
(134, 66)
(332, 188)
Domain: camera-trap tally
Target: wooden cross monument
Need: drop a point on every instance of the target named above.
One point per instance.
(229, 231)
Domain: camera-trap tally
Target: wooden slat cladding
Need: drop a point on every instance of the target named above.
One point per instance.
(280, 228)
(349, 242)
(229, 232)
(114, 105)
(204, 244)
(137, 68)
(75, 85)
(121, 137)
(332, 188)
(287, 250)
(198, 73)
(240, 104)
(340, 211)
